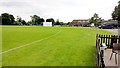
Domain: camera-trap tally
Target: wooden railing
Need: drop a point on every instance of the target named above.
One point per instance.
(99, 53)
(109, 39)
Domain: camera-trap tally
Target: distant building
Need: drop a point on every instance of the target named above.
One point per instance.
(80, 22)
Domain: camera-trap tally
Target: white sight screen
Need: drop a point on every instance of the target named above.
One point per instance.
(47, 23)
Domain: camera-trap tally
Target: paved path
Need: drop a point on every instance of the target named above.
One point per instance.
(107, 53)
(108, 62)
(115, 31)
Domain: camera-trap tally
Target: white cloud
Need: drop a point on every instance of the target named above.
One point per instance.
(65, 10)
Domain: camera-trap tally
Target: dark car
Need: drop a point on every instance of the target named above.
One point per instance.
(109, 25)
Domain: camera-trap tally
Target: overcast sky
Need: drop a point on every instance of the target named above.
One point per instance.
(64, 10)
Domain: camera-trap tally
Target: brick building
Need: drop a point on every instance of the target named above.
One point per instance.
(80, 22)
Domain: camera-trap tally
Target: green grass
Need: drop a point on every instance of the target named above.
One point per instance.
(0, 45)
(73, 46)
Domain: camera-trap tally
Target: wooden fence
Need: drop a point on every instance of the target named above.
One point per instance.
(108, 40)
(99, 53)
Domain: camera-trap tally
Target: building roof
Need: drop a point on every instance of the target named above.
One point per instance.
(81, 20)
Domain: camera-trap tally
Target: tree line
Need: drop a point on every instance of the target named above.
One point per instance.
(115, 16)
(96, 20)
(9, 19)
(116, 13)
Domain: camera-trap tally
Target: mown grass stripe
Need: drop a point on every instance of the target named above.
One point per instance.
(29, 43)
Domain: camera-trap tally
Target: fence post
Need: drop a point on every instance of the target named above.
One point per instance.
(119, 39)
(97, 55)
(113, 40)
(106, 40)
(109, 41)
(101, 39)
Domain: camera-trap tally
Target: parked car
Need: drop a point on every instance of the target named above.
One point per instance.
(109, 25)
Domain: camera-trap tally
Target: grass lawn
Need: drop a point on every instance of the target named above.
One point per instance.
(48, 46)
(0, 45)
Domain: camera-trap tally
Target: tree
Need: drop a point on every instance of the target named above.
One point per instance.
(116, 13)
(7, 19)
(91, 20)
(12, 19)
(24, 22)
(69, 23)
(41, 20)
(36, 20)
(61, 23)
(57, 22)
(29, 23)
(51, 20)
(19, 20)
(0, 20)
(95, 19)
(48, 20)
